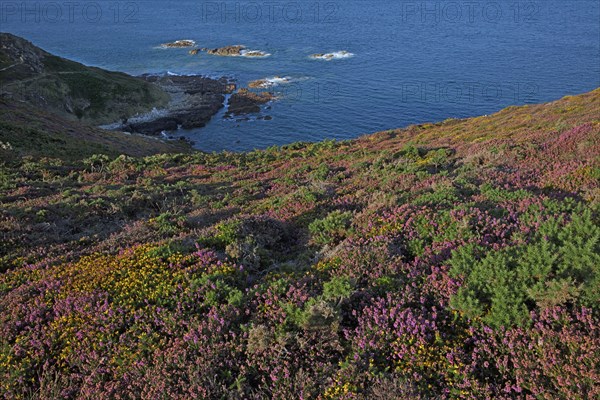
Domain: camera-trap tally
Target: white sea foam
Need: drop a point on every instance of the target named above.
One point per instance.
(254, 53)
(145, 117)
(336, 55)
(278, 80)
(273, 81)
(111, 127)
(151, 115)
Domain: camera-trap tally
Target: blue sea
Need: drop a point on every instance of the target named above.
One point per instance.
(411, 61)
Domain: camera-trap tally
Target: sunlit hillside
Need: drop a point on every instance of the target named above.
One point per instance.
(451, 260)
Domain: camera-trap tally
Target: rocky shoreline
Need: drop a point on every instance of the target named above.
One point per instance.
(149, 104)
(194, 102)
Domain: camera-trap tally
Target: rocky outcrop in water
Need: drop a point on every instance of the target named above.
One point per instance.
(179, 44)
(258, 84)
(227, 51)
(269, 82)
(247, 102)
(236, 51)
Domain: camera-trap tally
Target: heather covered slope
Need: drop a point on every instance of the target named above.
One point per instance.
(450, 260)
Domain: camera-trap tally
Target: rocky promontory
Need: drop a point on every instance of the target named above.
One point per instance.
(194, 100)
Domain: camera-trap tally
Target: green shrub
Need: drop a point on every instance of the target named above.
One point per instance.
(337, 288)
(411, 151)
(319, 315)
(442, 196)
(439, 158)
(334, 227)
(305, 195)
(168, 223)
(560, 266)
(253, 242)
(321, 173)
(498, 194)
(316, 315)
(166, 250)
(97, 162)
(235, 297)
(7, 180)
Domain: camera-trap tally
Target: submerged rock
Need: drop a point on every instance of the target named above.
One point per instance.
(254, 53)
(179, 44)
(332, 56)
(193, 52)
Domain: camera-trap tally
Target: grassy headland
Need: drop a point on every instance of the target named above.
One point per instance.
(70, 89)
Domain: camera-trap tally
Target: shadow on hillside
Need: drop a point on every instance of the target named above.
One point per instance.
(79, 221)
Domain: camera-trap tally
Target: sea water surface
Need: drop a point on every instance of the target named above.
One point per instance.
(412, 61)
